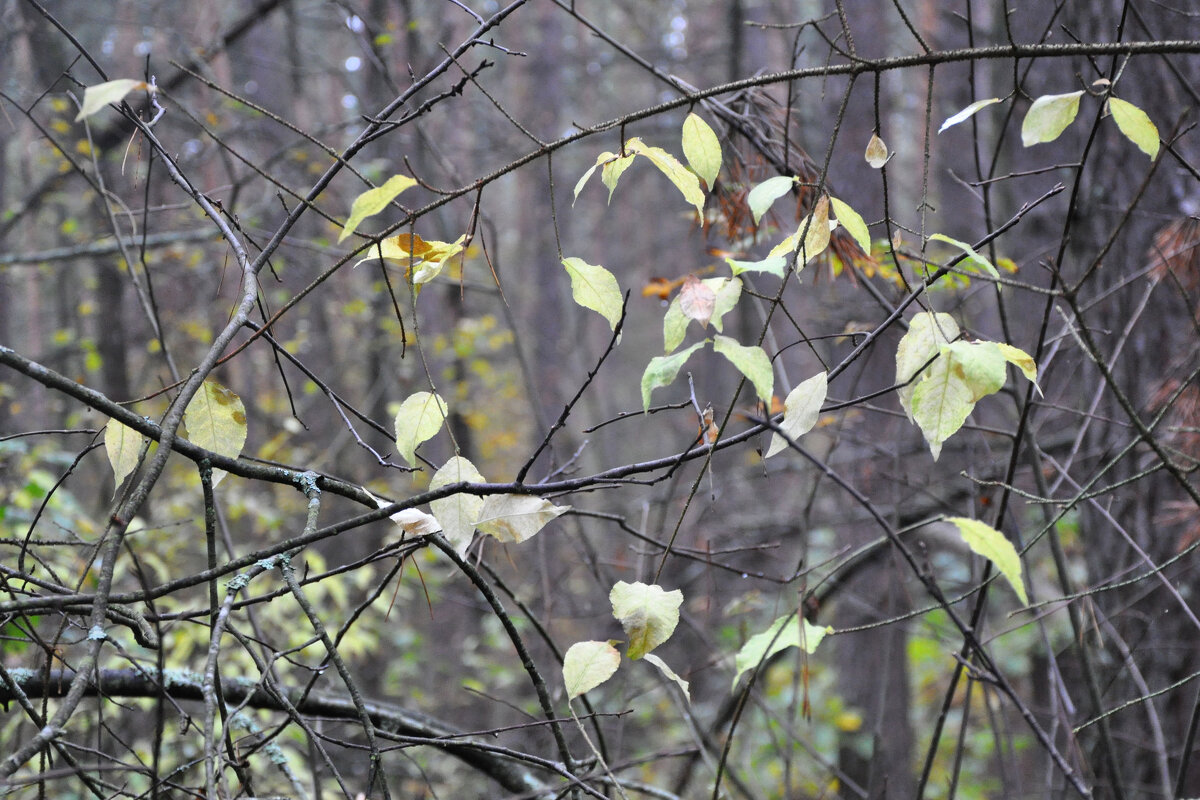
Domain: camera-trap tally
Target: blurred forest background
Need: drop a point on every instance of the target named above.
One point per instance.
(115, 283)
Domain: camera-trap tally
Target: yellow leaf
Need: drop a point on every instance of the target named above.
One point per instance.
(586, 665)
(373, 201)
(98, 96)
(992, 545)
(420, 417)
(123, 444)
(216, 421)
(684, 180)
(1134, 123)
(701, 148)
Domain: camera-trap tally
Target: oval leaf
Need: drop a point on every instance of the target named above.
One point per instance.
(419, 419)
(992, 545)
(1136, 126)
(801, 409)
(696, 300)
(373, 201)
(123, 445)
(877, 152)
(98, 96)
(941, 403)
(854, 224)
(787, 631)
(926, 334)
(1048, 117)
(216, 421)
(586, 665)
(457, 513)
(594, 287)
(684, 180)
(701, 148)
(516, 517)
(661, 371)
(967, 112)
(752, 362)
(762, 196)
(648, 613)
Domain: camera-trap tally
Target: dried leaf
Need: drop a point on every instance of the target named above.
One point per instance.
(877, 152)
(696, 300)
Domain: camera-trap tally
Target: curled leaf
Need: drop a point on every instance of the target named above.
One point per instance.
(696, 300)
(684, 180)
(877, 152)
(967, 112)
(669, 674)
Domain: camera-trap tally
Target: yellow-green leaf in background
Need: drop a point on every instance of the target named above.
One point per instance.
(98, 96)
(787, 631)
(123, 445)
(594, 287)
(457, 513)
(775, 265)
(661, 371)
(701, 148)
(853, 222)
(992, 545)
(1048, 117)
(373, 201)
(761, 197)
(516, 517)
(586, 665)
(877, 152)
(684, 179)
(972, 256)
(647, 612)
(669, 674)
(419, 419)
(216, 421)
(967, 112)
(1136, 126)
(751, 361)
(801, 409)
(926, 334)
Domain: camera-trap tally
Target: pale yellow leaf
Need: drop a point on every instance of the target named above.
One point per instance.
(926, 334)
(992, 545)
(459, 512)
(123, 445)
(586, 665)
(419, 419)
(701, 148)
(787, 631)
(594, 287)
(102, 94)
(968, 112)
(684, 179)
(216, 420)
(669, 674)
(752, 361)
(1048, 117)
(1136, 125)
(647, 612)
(373, 201)
(516, 517)
(801, 409)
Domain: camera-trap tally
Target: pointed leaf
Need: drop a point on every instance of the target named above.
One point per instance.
(594, 287)
(927, 332)
(647, 612)
(1021, 360)
(941, 403)
(751, 361)
(801, 409)
(967, 112)
(661, 371)
(854, 224)
(992, 545)
(674, 326)
(123, 445)
(761, 197)
(972, 256)
(419, 419)
(372, 201)
(98, 96)
(776, 266)
(216, 421)
(457, 513)
(1048, 117)
(612, 172)
(670, 674)
(727, 291)
(696, 300)
(586, 665)
(600, 159)
(1136, 126)
(787, 631)
(701, 148)
(516, 517)
(815, 228)
(877, 152)
(684, 180)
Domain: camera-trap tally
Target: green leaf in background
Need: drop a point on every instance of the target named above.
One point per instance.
(787, 631)
(661, 371)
